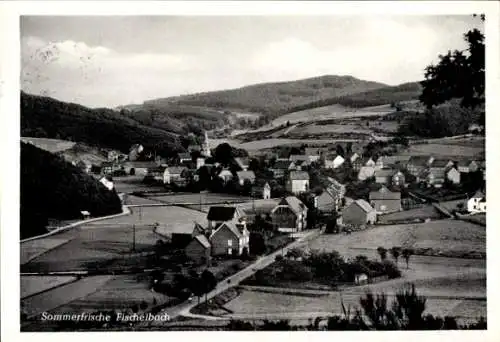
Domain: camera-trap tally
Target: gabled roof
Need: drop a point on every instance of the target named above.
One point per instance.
(221, 213)
(242, 162)
(384, 194)
(176, 170)
(364, 205)
(335, 184)
(299, 175)
(293, 203)
(202, 240)
(384, 173)
(231, 226)
(245, 174)
(437, 172)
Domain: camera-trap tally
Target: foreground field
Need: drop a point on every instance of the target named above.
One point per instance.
(35, 248)
(31, 285)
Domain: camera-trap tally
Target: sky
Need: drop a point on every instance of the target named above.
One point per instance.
(107, 61)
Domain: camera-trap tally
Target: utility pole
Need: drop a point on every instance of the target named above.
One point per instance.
(133, 237)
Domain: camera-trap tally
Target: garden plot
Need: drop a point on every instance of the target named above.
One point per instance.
(31, 285)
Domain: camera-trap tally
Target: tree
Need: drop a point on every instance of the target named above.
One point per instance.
(257, 243)
(209, 281)
(382, 252)
(223, 153)
(340, 150)
(331, 225)
(395, 252)
(407, 253)
(459, 74)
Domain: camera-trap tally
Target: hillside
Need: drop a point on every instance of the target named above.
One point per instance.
(44, 117)
(51, 188)
(275, 98)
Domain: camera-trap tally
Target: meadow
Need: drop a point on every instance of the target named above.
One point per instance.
(31, 285)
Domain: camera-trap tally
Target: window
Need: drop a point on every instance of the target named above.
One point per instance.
(230, 242)
(229, 251)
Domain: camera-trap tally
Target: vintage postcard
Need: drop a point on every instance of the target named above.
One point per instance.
(252, 168)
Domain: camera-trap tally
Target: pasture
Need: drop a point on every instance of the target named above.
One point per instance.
(34, 248)
(442, 236)
(31, 285)
(200, 198)
(413, 214)
(446, 150)
(330, 128)
(51, 145)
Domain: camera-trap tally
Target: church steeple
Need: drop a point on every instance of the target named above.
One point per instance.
(206, 146)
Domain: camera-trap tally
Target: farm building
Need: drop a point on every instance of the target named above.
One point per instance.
(157, 173)
(398, 179)
(199, 250)
(220, 214)
(332, 162)
(385, 201)
(359, 213)
(452, 175)
(477, 203)
(298, 181)
(416, 164)
(138, 168)
(108, 168)
(229, 239)
(175, 175)
(225, 175)
(280, 168)
(366, 172)
(245, 176)
(383, 176)
(467, 166)
(391, 161)
(290, 215)
(433, 177)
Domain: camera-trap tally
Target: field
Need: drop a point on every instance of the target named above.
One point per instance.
(31, 285)
(446, 150)
(330, 128)
(443, 236)
(51, 145)
(134, 184)
(35, 248)
(120, 292)
(413, 214)
(50, 300)
(203, 198)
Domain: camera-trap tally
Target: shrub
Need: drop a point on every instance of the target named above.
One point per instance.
(391, 270)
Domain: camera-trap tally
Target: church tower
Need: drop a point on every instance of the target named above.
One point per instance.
(206, 146)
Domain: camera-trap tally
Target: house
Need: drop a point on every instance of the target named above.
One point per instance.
(353, 157)
(416, 164)
(199, 250)
(370, 162)
(84, 165)
(385, 201)
(475, 129)
(290, 215)
(112, 156)
(184, 158)
(230, 239)
(477, 203)
(313, 153)
(390, 161)
(175, 175)
(109, 167)
(452, 175)
(182, 234)
(467, 166)
(107, 181)
(157, 173)
(441, 163)
(200, 161)
(243, 163)
(263, 191)
(220, 214)
(194, 148)
(138, 168)
(433, 177)
(299, 161)
(85, 214)
(245, 176)
(359, 213)
(360, 162)
(225, 175)
(135, 151)
(280, 168)
(298, 181)
(333, 162)
(383, 176)
(331, 198)
(398, 179)
(366, 172)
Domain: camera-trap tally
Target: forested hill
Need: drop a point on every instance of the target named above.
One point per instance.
(44, 117)
(52, 188)
(276, 98)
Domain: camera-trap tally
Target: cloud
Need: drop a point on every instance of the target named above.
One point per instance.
(96, 75)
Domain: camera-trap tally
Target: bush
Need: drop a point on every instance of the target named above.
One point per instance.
(278, 258)
(391, 270)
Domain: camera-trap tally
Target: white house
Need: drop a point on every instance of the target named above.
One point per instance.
(366, 172)
(107, 182)
(225, 175)
(298, 182)
(334, 163)
(200, 162)
(477, 204)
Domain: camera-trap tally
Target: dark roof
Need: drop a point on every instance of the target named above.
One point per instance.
(221, 213)
(384, 194)
(440, 162)
(202, 240)
(293, 203)
(281, 164)
(299, 175)
(363, 205)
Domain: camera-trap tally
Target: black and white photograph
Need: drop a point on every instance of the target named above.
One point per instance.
(303, 172)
